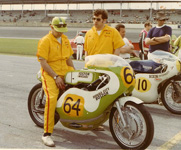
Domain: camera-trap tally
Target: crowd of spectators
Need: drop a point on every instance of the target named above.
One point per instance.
(15, 16)
(85, 16)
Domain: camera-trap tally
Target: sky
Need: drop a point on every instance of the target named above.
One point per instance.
(107, 6)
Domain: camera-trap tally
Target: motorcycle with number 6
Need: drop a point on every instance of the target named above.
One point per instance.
(95, 94)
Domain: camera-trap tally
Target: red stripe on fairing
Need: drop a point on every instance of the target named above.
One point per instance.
(46, 101)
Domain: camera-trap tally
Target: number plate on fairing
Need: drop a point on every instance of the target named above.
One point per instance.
(142, 84)
(127, 76)
(73, 105)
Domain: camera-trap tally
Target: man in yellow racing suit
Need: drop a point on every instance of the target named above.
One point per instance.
(101, 38)
(54, 51)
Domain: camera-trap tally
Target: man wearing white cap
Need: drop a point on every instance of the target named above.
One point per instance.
(158, 37)
(54, 51)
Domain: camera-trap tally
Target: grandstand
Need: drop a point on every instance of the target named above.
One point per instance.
(131, 17)
(41, 17)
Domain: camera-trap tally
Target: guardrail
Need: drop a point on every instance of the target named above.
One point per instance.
(82, 25)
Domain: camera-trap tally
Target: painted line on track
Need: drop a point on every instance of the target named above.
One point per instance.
(172, 142)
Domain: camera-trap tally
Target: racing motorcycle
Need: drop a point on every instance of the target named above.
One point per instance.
(95, 94)
(160, 76)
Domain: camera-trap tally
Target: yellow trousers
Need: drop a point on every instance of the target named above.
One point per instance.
(51, 91)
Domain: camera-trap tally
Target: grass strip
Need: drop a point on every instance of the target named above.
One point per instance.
(18, 46)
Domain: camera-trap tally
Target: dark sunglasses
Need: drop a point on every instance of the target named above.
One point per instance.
(98, 19)
(60, 25)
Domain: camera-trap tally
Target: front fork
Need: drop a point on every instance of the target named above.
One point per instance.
(177, 89)
(121, 102)
(120, 113)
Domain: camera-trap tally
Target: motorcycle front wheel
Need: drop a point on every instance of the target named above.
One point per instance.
(139, 130)
(170, 99)
(36, 105)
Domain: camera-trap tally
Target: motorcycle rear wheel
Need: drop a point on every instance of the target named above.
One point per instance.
(170, 100)
(35, 109)
(139, 131)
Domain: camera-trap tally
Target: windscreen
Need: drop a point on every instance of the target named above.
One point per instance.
(105, 60)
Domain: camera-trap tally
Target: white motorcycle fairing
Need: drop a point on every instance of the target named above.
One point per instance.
(146, 87)
(124, 100)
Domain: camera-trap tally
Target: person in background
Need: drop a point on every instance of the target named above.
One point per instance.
(54, 51)
(144, 48)
(128, 48)
(178, 43)
(101, 38)
(79, 40)
(158, 37)
(172, 40)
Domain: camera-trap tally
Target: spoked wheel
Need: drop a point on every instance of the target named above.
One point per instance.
(139, 129)
(36, 105)
(171, 96)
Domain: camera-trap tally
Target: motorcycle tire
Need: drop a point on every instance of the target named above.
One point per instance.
(169, 98)
(139, 131)
(36, 112)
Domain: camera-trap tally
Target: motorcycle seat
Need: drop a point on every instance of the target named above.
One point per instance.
(146, 66)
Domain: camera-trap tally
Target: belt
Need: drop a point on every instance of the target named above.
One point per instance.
(79, 44)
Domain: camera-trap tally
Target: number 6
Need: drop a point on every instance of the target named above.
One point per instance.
(126, 75)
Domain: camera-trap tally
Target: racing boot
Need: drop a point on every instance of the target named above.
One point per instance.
(47, 140)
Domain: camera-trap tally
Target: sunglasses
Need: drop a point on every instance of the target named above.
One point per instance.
(60, 25)
(97, 19)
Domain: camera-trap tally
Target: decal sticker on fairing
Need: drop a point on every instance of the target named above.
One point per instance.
(153, 76)
(83, 74)
(101, 94)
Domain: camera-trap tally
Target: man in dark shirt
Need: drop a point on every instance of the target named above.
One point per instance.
(158, 37)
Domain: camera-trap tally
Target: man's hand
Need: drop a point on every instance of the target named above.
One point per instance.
(60, 83)
(122, 50)
(167, 37)
(134, 54)
(131, 47)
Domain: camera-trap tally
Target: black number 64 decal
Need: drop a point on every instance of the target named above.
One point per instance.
(70, 104)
